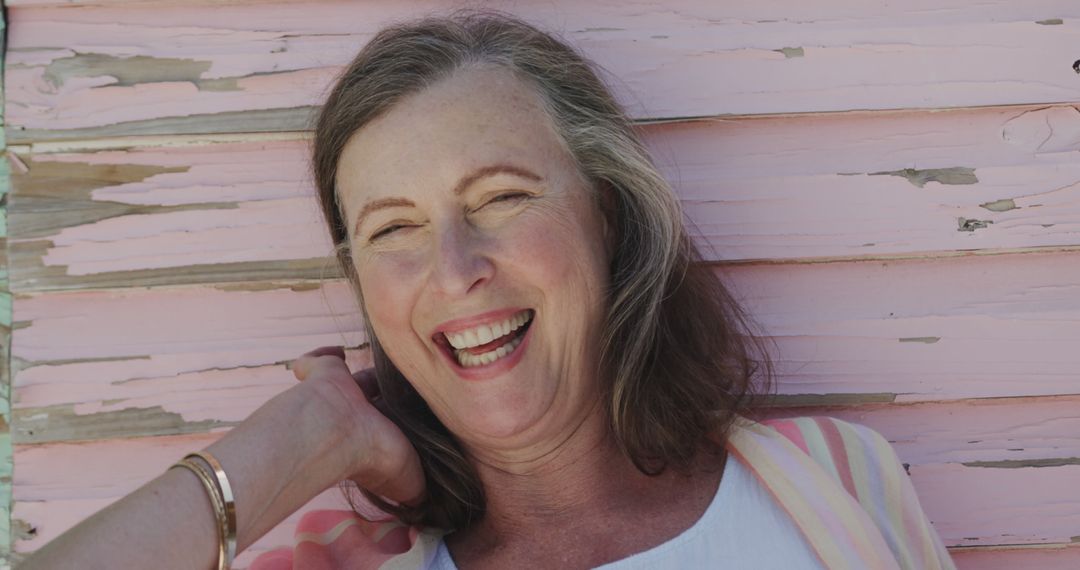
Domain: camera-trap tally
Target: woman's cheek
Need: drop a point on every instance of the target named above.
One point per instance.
(389, 285)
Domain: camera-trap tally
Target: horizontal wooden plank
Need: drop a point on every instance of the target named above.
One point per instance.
(265, 69)
(51, 495)
(809, 188)
(863, 185)
(56, 486)
(173, 360)
(166, 361)
(1055, 557)
(1000, 505)
(219, 212)
(922, 330)
(1006, 432)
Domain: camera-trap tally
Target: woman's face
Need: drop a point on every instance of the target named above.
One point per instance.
(481, 256)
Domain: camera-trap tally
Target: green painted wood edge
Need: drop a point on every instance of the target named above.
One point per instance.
(6, 458)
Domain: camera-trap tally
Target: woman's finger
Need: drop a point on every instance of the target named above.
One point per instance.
(303, 366)
(365, 378)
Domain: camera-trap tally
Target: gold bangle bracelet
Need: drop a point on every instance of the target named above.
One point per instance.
(215, 502)
(227, 498)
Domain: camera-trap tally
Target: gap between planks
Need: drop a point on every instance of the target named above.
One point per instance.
(182, 140)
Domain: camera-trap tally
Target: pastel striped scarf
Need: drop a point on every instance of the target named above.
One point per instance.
(841, 482)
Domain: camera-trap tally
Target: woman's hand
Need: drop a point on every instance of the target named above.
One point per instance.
(383, 461)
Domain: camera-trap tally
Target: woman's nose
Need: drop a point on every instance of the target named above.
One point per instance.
(460, 264)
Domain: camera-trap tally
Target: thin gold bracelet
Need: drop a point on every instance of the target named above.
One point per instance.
(215, 502)
(227, 498)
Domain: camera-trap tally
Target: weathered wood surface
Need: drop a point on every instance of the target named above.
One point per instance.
(61, 483)
(1065, 557)
(1017, 433)
(810, 188)
(100, 364)
(247, 67)
(5, 368)
(103, 364)
(56, 486)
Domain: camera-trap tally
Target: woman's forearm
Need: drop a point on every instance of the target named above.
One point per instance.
(276, 460)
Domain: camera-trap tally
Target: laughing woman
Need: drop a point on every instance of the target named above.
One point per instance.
(558, 382)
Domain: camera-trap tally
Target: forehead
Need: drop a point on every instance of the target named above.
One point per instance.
(476, 117)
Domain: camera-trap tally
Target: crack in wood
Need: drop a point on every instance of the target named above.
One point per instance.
(820, 400)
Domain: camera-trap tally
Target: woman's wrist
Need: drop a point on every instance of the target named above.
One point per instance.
(281, 457)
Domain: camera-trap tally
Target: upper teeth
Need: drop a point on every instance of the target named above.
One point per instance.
(484, 334)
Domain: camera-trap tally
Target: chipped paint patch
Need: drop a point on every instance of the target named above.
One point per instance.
(1051, 22)
(55, 195)
(970, 225)
(1000, 205)
(128, 71)
(22, 530)
(62, 423)
(919, 178)
(922, 339)
(791, 52)
(1019, 463)
(255, 286)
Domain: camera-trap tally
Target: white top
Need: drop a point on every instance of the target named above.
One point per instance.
(744, 527)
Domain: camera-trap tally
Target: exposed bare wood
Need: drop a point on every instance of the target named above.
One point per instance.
(764, 190)
(260, 69)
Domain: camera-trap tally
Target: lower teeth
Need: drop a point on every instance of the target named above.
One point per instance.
(469, 360)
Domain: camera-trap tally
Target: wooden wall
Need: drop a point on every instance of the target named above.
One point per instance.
(892, 188)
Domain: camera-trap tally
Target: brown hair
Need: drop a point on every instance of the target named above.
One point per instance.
(675, 364)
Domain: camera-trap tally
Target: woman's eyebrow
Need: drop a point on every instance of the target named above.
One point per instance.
(460, 187)
(378, 205)
(492, 170)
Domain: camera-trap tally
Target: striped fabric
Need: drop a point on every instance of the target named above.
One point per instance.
(841, 482)
(846, 489)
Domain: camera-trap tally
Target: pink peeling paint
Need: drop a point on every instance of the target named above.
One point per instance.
(178, 239)
(1009, 336)
(980, 506)
(673, 60)
(781, 188)
(984, 430)
(1005, 326)
(58, 485)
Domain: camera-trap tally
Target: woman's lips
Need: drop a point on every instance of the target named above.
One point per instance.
(486, 365)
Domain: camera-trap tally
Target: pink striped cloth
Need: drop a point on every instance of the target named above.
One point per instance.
(841, 482)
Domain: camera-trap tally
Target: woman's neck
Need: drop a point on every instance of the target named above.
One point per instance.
(584, 485)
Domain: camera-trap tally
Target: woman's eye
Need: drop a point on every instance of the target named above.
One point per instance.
(387, 231)
(507, 198)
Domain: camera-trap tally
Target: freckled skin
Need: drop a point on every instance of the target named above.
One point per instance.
(452, 256)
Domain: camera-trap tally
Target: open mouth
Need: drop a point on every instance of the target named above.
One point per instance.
(484, 344)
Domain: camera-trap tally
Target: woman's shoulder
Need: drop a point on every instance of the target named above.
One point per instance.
(863, 462)
(845, 450)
